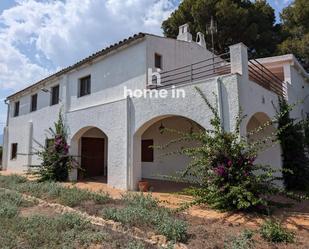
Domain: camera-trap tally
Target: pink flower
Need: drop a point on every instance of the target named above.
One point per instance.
(220, 170)
(229, 163)
(66, 148)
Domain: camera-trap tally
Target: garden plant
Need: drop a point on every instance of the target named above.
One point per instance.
(223, 170)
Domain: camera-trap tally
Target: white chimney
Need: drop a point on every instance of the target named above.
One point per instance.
(184, 34)
(200, 39)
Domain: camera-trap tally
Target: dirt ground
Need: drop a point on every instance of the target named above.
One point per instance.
(295, 217)
(113, 239)
(209, 228)
(207, 233)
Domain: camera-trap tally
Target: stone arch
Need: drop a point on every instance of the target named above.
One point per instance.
(89, 145)
(151, 131)
(272, 154)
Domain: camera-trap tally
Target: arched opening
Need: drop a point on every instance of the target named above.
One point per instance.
(159, 165)
(272, 154)
(90, 146)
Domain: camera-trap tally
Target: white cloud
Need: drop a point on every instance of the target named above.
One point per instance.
(62, 32)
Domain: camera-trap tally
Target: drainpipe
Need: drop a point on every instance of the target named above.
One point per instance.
(130, 146)
(7, 114)
(220, 102)
(5, 138)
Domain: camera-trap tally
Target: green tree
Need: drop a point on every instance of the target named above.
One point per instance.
(293, 142)
(295, 26)
(252, 23)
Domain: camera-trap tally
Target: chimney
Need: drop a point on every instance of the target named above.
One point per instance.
(200, 39)
(184, 34)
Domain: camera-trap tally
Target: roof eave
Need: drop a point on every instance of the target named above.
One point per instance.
(90, 59)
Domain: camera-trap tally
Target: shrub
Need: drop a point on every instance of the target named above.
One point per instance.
(274, 232)
(61, 231)
(140, 200)
(136, 245)
(243, 241)
(133, 216)
(11, 180)
(173, 229)
(51, 190)
(8, 210)
(293, 139)
(223, 170)
(10, 203)
(56, 161)
(144, 211)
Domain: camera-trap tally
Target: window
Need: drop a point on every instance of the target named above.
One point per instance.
(158, 61)
(54, 95)
(34, 100)
(49, 142)
(16, 109)
(147, 150)
(14, 151)
(85, 86)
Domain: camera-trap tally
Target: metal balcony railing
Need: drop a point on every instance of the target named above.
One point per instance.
(215, 66)
(265, 78)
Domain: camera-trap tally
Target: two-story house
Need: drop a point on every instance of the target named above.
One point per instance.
(112, 125)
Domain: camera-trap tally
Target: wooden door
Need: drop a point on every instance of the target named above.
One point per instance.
(92, 156)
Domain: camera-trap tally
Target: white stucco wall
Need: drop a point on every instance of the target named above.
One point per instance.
(174, 53)
(109, 76)
(256, 99)
(297, 91)
(144, 112)
(19, 132)
(125, 120)
(110, 118)
(163, 164)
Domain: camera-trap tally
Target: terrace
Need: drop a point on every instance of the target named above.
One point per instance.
(220, 65)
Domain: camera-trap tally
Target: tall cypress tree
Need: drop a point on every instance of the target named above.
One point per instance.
(292, 140)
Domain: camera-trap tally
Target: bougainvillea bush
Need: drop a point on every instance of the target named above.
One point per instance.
(54, 155)
(223, 169)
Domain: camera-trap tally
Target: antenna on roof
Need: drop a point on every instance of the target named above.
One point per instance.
(212, 29)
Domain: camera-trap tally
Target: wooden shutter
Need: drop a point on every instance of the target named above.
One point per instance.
(55, 95)
(34, 100)
(14, 151)
(85, 86)
(158, 61)
(16, 109)
(147, 151)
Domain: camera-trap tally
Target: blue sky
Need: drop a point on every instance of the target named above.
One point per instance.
(38, 37)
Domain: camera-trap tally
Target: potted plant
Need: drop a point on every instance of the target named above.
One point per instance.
(143, 186)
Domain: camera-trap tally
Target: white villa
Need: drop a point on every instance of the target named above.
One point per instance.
(110, 130)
